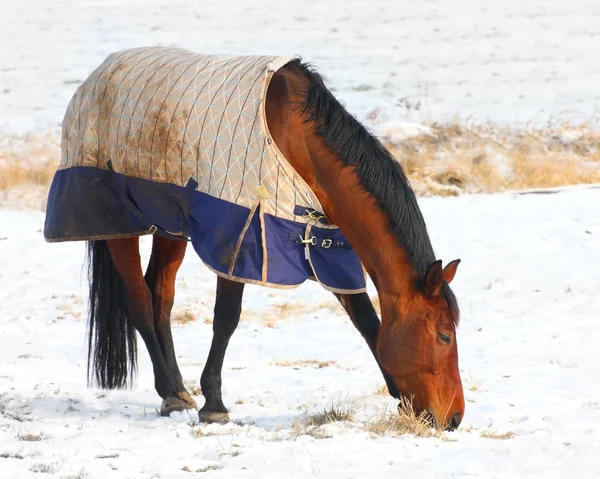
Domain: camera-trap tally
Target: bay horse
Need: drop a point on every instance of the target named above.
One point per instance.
(364, 191)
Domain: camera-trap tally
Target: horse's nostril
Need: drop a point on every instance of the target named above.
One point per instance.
(454, 422)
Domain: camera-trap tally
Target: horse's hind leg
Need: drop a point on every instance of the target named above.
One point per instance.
(126, 258)
(165, 260)
(228, 307)
(362, 313)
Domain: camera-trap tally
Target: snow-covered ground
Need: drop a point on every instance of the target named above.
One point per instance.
(507, 60)
(529, 290)
(528, 285)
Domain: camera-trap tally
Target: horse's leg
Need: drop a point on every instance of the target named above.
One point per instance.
(363, 315)
(125, 255)
(228, 307)
(165, 260)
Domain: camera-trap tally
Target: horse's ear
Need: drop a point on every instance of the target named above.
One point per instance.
(450, 270)
(433, 279)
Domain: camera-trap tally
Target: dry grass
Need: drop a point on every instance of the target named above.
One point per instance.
(459, 158)
(27, 165)
(448, 159)
(404, 421)
(488, 434)
(342, 409)
(211, 467)
(304, 363)
(278, 312)
(30, 437)
(44, 468)
(182, 316)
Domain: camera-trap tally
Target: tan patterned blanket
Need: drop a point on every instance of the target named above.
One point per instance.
(167, 141)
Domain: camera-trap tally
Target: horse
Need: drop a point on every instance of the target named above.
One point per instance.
(363, 214)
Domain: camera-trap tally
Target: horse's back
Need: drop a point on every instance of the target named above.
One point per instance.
(165, 114)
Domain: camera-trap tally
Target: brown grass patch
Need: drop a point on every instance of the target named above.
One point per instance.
(27, 166)
(338, 410)
(341, 409)
(211, 467)
(182, 316)
(488, 434)
(30, 437)
(404, 421)
(303, 363)
(459, 158)
(452, 158)
(29, 356)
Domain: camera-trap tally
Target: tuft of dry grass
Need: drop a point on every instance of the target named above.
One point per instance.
(30, 437)
(337, 410)
(29, 356)
(44, 468)
(404, 421)
(11, 455)
(182, 316)
(303, 363)
(489, 434)
(211, 467)
(197, 432)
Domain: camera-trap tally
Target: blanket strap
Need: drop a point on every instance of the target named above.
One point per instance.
(318, 241)
(311, 213)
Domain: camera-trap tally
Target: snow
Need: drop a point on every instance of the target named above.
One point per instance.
(528, 289)
(508, 61)
(528, 285)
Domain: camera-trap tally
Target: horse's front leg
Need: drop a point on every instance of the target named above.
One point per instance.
(228, 308)
(362, 313)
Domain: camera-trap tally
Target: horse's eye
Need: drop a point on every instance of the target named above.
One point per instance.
(444, 337)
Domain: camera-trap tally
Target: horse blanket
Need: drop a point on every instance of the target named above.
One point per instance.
(167, 141)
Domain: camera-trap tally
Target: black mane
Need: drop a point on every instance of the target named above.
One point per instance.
(379, 173)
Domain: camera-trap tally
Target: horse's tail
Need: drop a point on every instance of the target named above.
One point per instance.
(112, 349)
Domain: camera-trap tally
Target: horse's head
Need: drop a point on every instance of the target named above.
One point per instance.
(417, 346)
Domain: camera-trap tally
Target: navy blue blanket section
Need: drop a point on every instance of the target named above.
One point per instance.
(90, 203)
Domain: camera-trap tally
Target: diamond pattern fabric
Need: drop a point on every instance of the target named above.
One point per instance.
(168, 115)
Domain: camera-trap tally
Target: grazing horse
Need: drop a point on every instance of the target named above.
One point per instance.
(117, 181)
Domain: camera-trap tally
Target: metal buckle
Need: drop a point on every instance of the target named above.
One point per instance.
(326, 243)
(313, 215)
(312, 240)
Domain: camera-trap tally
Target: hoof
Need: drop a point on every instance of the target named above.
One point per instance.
(213, 417)
(171, 404)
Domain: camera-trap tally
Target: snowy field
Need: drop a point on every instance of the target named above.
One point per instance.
(528, 286)
(528, 346)
(507, 61)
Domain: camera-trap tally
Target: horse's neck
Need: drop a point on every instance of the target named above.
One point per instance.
(359, 217)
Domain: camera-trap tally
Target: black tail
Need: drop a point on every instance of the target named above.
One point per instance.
(112, 349)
